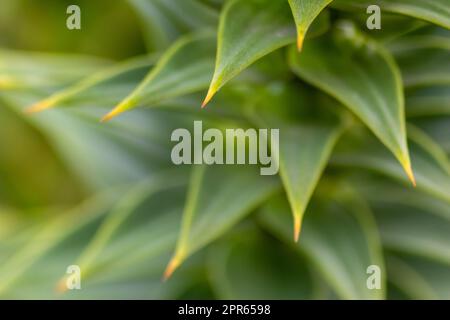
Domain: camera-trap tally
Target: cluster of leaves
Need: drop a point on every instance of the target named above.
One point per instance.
(363, 116)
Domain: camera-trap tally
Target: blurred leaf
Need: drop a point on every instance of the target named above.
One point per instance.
(393, 25)
(305, 11)
(92, 81)
(304, 153)
(250, 265)
(362, 76)
(305, 145)
(430, 162)
(431, 51)
(405, 228)
(249, 30)
(409, 221)
(25, 70)
(434, 101)
(438, 129)
(165, 20)
(436, 11)
(339, 239)
(48, 235)
(217, 199)
(419, 278)
(183, 69)
(126, 210)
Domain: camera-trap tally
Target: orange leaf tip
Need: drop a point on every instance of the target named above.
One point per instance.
(297, 227)
(410, 174)
(61, 286)
(114, 113)
(40, 106)
(209, 96)
(171, 267)
(300, 40)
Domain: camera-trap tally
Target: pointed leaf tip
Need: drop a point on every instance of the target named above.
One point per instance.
(209, 96)
(40, 106)
(170, 269)
(300, 40)
(410, 173)
(61, 286)
(107, 117)
(115, 112)
(297, 227)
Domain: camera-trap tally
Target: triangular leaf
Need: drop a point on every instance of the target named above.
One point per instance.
(363, 76)
(249, 29)
(184, 68)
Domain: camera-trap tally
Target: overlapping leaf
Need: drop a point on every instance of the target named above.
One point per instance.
(429, 160)
(436, 11)
(431, 51)
(165, 20)
(281, 272)
(183, 69)
(304, 145)
(428, 102)
(94, 81)
(249, 29)
(362, 76)
(340, 241)
(419, 278)
(217, 199)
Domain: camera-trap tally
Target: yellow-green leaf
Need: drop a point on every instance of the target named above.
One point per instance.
(305, 11)
(218, 197)
(184, 68)
(249, 30)
(434, 11)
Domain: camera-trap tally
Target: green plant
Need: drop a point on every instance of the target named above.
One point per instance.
(363, 118)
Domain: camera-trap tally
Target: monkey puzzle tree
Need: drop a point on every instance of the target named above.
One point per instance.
(364, 183)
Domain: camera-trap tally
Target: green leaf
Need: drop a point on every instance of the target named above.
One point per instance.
(339, 239)
(249, 30)
(436, 11)
(405, 228)
(419, 279)
(409, 220)
(250, 265)
(165, 20)
(27, 70)
(362, 76)
(183, 69)
(305, 12)
(304, 153)
(431, 51)
(429, 160)
(92, 81)
(48, 235)
(438, 129)
(427, 102)
(218, 198)
(305, 145)
(127, 209)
